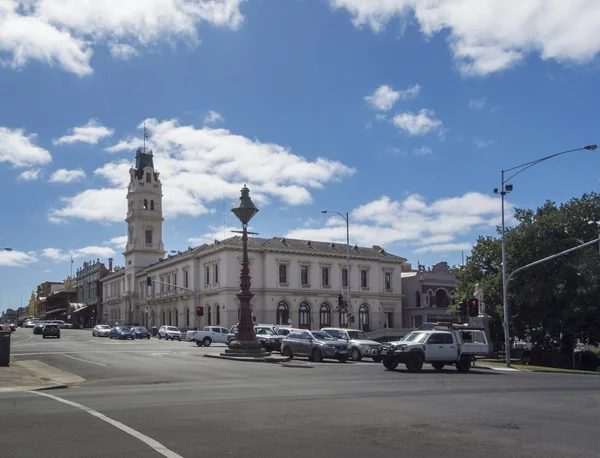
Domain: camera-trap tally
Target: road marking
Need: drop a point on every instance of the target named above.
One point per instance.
(155, 445)
(21, 341)
(84, 360)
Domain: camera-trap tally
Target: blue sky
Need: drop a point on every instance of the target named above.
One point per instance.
(402, 113)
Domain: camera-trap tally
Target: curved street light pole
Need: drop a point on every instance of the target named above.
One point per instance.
(345, 216)
(505, 189)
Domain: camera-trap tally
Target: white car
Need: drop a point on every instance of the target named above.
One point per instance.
(216, 334)
(169, 332)
(101, 330)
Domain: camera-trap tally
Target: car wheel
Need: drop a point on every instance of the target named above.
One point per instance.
(148, 337)
(316, 356)
(200, 344)
(438, 366)
(159, 337)
(287, 352)
(179, 339)
(93, 333)
(43, 337)
(58, 337)
(377, 359)
(414, 363)
(355, 354)
(390, 364)
(206, 341)
(464, 364)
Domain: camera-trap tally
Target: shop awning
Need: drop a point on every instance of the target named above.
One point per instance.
(77, 307)
(55, 311)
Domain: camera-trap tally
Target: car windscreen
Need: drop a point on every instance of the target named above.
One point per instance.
(264, 331)
(104, 326)
(357, 335)
(415, 337)
(172, 328)
(140, 329)
(323, 336)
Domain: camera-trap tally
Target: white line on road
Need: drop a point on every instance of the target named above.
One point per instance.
(21, 341)
(155, 445)
(84, 360)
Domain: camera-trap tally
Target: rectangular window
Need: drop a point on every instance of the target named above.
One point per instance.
(148, 236)
(148, 177)
(389, 319)
(153, 279)
(345, 277)
(207, 278)
(185, 278)
(216, 273)
(304, 275)
(282, 273)
(325, 276)
(364, 283)
(168, 282)
(388, 280)
(162, 285)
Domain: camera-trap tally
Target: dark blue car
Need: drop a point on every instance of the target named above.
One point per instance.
(122, 332)
(140, 332)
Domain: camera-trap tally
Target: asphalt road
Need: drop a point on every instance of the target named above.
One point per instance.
(156, 398)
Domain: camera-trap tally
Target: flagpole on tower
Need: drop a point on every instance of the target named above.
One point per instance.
(145, 137)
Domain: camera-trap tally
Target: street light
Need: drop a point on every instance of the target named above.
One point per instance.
(505, 189)
(245, 335)
(347, 249)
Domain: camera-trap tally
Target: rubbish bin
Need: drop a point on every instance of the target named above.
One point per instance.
(154, 331)
(4, 348)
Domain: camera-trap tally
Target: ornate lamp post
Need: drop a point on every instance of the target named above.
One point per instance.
(245, 337)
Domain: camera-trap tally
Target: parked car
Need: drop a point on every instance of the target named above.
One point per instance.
(121, 332)
(39, 327)
(315, 345)
(268, 339)
(60, 323)
(12, 327)
(169, 332)
(29, 324)
(101, 330)
(140, 332)
(358, 343)
(51, 330)
(210, 334)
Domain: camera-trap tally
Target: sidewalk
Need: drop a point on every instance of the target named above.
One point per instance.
(34, 375)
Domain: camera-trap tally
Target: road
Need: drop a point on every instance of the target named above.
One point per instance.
(155, 398)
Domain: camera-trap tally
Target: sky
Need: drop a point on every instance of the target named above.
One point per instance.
(400, 112)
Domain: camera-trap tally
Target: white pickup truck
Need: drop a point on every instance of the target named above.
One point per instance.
(439, 346)
(210, 334)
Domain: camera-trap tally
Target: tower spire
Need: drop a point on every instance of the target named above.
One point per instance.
(145, 137)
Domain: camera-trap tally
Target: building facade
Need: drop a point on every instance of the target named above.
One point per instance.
(427, 294)
(43, 291)
(85, 312)
(294, 282)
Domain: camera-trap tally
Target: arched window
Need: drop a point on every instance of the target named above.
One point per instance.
(304, 316)
(145, 204)
(343, 315)
(164, 319)
(363, 318)
(209, 320)
(283, 313)
(429, 298)
(152, 318)
(441, 298)
(176, 318)
(170, 318)
(186, 312)
(324, 316)
(218, 315)
(151, 205)
(418, 299)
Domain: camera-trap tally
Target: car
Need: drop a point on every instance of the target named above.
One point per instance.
(265, 334)
(60, 323)
(101, 330)
(359, 344)
(315, 345)
(121, 333)
(51, 330)
(12, 327)
(29, 324)
(140, 332)
(39, 327)
(169, 332)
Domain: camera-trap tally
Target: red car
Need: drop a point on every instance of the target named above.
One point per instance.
(13, 327)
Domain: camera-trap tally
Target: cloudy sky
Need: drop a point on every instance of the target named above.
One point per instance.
(401, 112)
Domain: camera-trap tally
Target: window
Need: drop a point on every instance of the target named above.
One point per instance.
(186, 312)
(185, 278)
(151, 205)
(209, 320)
(282, 273)
(168, 283)
(304, 275)
(363, 318)
(148, 177)
(345, 277)
(153, 280)
(218, 315)
(283, 313)
(162, 285)
(304, 316)
(145, 204)
(441, 298)
(170, 318)
(429, 298)
(417, 321)
(388, 280)
(325, 276)
(324, 316)
(343, 315)
(163, 318)
(149, 236)
(440, 338)
(364, 279)
(174, 280)
(388, 319)
(216, 276)
(418, 298)
(207, 275)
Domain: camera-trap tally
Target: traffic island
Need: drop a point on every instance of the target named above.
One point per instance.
(258, 358)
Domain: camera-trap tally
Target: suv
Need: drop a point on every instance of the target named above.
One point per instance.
(358, 342)
(51, 330)
(315, 345)
(169, 332)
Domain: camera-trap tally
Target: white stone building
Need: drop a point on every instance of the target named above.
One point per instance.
(297, 280)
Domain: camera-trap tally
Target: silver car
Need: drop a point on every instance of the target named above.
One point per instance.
(101, 330)
(358, 343)
(169, 332)
(315, 345)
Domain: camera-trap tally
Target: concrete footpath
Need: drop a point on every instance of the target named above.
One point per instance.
(34, 375)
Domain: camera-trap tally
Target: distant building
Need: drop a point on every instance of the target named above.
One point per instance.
(43, 291)
(427, 294)
(85, 311)
(57, 298)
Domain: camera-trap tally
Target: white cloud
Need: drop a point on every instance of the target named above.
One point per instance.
(16, 258)
(444, 248)
(122, 51)
(66, 32)
(421, 123)
(477, 104)
(124, 145)
(385, 97)
(17, 148)
(216, 233)
(67, 176)
(423, 151)
(486, 36)
(200, 166)
(29, 175)
(118, 242)
(212, 117)
(479, 143)
(58, 255)
(412, 220)
(91, 133)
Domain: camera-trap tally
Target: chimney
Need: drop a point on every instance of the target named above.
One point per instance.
(110, 260)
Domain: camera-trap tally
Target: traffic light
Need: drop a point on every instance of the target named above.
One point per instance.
(199, 311)
(149, 281)
(474, 307)
(463, 308)
(340, 301)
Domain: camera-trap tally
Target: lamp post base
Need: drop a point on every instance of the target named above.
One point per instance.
(249, 349)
